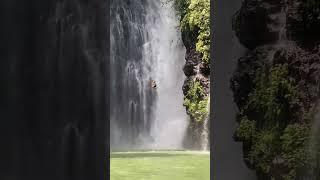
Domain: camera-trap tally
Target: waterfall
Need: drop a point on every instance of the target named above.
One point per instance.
(205, 130)
(147, 56)
(313, 145)
(279, 23)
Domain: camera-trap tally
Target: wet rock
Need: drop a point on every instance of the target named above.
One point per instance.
(185, 87)
(193, 59)
(190, 68)
(205, 69)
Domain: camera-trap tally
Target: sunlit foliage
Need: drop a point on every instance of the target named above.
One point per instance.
(196, 102)
(195, 16)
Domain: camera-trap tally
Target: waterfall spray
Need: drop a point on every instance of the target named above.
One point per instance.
(168, 55)
(147, 56)
(313, 145)
(205, 131)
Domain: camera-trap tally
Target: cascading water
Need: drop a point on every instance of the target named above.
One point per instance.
(147, 57)
(205, 131)
(279, 24)
(313, 147)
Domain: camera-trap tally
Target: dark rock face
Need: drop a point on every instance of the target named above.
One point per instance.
(244, 75)
(192, 60)
(265, 22)
(195, 70)
(305, 68)
(260, 22)
(53, 74)
(205, 69)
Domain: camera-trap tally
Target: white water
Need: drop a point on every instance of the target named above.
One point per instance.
(166, 51)
(313, 144)
(146, 45)
(205, 130)
(279, 24)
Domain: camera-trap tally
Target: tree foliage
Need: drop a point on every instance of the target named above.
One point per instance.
(195, 16)
(275, 98)
(294, 140)
(196, 101)
(269, 124)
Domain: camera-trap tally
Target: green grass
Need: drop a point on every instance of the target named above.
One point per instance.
(160, 165)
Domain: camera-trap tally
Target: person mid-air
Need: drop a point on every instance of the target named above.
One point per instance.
(153, 84)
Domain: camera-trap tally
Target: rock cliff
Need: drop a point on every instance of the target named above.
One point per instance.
(196, 70)
(276, 86)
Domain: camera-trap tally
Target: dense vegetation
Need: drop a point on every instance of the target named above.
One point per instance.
(196, 101)
(195, 20)
(195, 28)
(270, 124)
(195, 16)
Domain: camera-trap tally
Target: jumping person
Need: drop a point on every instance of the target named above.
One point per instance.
(153, 84)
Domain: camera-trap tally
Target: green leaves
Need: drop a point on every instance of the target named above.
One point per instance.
(269, 124)
(275, 97)
(246, 130)
(195, 16)
(196, 101)
(294, 142)
(199, 17)
(264, 149)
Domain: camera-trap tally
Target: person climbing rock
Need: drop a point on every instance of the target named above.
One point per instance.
(153, 84)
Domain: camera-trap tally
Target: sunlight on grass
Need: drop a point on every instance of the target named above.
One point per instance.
(160, 165)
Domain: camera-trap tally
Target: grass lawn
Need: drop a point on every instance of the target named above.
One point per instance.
(160, 165)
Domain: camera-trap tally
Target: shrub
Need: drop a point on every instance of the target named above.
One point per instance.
(196, 101)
